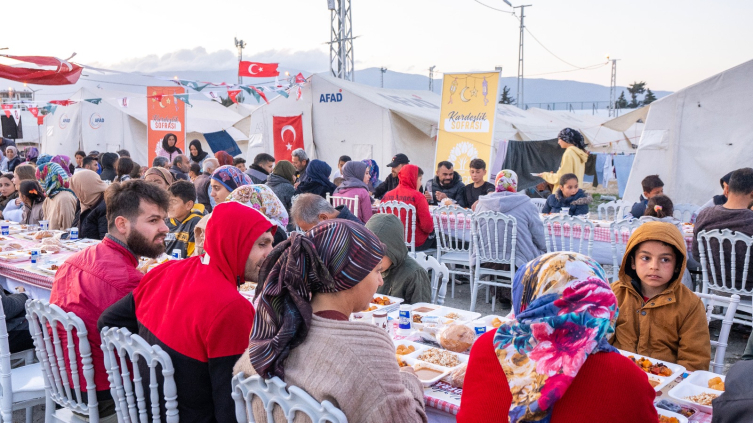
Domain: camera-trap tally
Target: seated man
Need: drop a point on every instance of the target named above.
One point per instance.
(447, 184)
(392, 180)
(180, 168)
(192, 309)
(260, 168)
(652, 186)
(183, 215)
(97, 277)
(310, 209)
(403, 276)
(406, 192)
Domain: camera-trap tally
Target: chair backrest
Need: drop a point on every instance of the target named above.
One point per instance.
(273, 391)
(6, 401)
(121, 347)
(720, 252)
(685, 212)
(45, 322)
(619, 234)
(613, 210)
(437, 270)
(450, 225)
(407, 214)
(539, 203)
(711, 301)
(494, 237)
(350, 203)
(569, 233)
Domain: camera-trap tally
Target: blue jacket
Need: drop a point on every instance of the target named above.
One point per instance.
(578, 203)
(639, 208)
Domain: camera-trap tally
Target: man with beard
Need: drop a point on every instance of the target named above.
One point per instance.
(447, 184)
(192, 309)
(260, 168)
(392, 181)
(97, 277)
(180, 168)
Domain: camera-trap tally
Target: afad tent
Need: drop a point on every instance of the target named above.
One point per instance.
(108, 126)
(341, 117)
(696, 135)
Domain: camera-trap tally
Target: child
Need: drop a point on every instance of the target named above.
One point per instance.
(194, 172)
(568, 195)
(182, 218)
(652, 186)
(479, 186)
(240, 163)
(659, 316)
(32, 197)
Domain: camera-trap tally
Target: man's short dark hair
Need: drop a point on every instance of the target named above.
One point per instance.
(263, 158)
(650, 182)
(420, 172)
(568, 176)
(81, 153)
(124, 199)
(87, 161)
(178, 159)
(344, 159)
(195, 168)
(478, 164)
(124, 153)
(108, 160)
(741, 181)
(445, 164)
(184, 190)
(238, 160)
(159, 161)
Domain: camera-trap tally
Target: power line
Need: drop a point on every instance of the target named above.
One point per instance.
(493, 8)
(592, 67)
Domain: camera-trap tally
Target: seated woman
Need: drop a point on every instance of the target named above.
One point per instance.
(301, 331)
(60, 205)
(8, 192)
(159, 176)
(90, 190)
(11, 154)
(317, 179)
(262, 198)
(568, 196)
(32, 197)
(14, 210)
(225, 180)
(373, 170)
(355, 185)
(553, 363)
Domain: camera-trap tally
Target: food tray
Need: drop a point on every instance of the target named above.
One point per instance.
(31, 235)
(412, 358)
(428, 383)
(78, 245)
(680, 418)
(676, 369)
(683, 390)
(464, 315)
(388, 308)
(487, 320)
(13, 256)
(46, 268)
(416, 345)
(701, 378)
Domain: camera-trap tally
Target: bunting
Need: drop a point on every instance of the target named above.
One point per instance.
(93, 100)
(34, 110)
(7, 108)
(183, 98)
(233, 94)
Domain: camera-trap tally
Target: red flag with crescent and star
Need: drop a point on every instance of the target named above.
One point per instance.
(258, 70)
(288, 135)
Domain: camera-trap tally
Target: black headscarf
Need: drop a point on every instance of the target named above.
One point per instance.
(166, 146)
(201, 155)
(571, 136)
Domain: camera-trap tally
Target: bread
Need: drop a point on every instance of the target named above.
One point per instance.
(457, 376)
(456, 338)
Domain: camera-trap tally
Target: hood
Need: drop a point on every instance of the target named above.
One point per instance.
(230, 235)
(503, 201)
(275, 180)
(408, 177)
(455, 179)
(389, 229)
(653, 231)
(582, 155)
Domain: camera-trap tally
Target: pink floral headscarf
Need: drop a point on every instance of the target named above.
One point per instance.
(565, 311)
(506, 180)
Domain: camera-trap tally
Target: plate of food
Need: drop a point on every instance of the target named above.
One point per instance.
(14, 256)
(40, 235)
(438, 357)
(659, 373)
(429, 374)
(694, 395)
(676, 409)
(79, 244)
(706, 380)
(404, 348)
(49, 268)
(491, 321)
(450, 315)
(12, 246)
(666, 416)
(248, 290)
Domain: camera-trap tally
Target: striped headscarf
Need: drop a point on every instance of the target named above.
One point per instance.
(44, 159)
(63, 161)
(53, 179)
(333, 256)
(231, 177)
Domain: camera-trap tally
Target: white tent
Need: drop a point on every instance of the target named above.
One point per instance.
(696, 135)
(362, 122)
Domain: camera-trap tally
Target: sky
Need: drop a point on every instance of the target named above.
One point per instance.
(669, 44)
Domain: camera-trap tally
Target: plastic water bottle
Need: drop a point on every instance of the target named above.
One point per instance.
(404, 328)
(74, 234)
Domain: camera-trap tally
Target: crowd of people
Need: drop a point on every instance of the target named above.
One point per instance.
(315, 264)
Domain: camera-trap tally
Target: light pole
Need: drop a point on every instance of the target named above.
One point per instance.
(431, 78)
(613, 89)
(383, 70)
(520, 101)
(240, 44)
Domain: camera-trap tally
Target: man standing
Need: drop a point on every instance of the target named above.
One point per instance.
(310, 209)
(447, 184)
(90, 162)
(261, 168)
(97, 277)
(180, 168)
(192, 309)
(392, 181)
(202, 183)
(300, 162)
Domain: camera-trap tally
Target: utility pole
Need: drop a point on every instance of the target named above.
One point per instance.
(240, 45)
(384, 70)
(613, 89)
(431, 78)
(520, 102)
(341, 40)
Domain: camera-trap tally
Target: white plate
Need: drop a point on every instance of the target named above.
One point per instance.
(79, 245)
(416, 345)
(413, 358)
(433, 307)
(487, 321)
(665, 413)
(683, 390)
(701, 378)
(31, 235)
(434, 380)
(464, 315)
(13, 256)
(676, 369)
(361, 315)
(45, 268)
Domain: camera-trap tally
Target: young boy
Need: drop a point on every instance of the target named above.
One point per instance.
(194, 172)
(479, 186)
(240, 163)
(340, 163)
(652, 186)
(659, 316)
(182, 218)
(568, 195)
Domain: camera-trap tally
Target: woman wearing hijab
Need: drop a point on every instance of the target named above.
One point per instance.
(309, 285)
(196, 153)
(573, 161)
(64, 162)
(224, 158)
(90, 190)
(355, 185)
(225, 180)
(262, 198)
(31, 154)
(108, 162)
(317, 179)
(168, 148)
(281, 182)
(3, 163)
(60, 205)
(8, 192)
(13, 159)
(43, 159)
(159, 176)
(373, 174)
(14, 210)
(553, 362)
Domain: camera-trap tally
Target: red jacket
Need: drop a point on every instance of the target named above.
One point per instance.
(608, 388)
(89, 282)
(407, 192)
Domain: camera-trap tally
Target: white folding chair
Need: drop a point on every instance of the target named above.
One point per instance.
(539, 203)
(567, 240)
(711, 301)
(121, 347)
(22, 387)
(613, 210)
(714, 270)
(437, 270)
(273, 392)
(350, 203)
(686, 212)
(407, 214)
(494, 238)
(453, 240)
(45, 321)
(619, 240)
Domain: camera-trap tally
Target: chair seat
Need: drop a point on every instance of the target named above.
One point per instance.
(456, 257)
(28, 382)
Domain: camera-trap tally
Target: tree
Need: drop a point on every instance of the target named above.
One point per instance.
(506, 99)
(650, 97)
(621, 102)
(634, 89)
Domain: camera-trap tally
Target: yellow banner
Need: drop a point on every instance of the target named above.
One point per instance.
(466, 122)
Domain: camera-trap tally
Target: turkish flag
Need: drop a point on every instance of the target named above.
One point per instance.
(258, 70)
(53, 71)
(7, 108)
(288, 135)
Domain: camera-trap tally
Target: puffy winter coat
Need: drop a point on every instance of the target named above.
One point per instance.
(406, 192)
(577, 203)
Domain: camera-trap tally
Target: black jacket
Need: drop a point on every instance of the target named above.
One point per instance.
(578, 203)
(346, 214)
(388, 185)
(94, 222)
(257, 174)
(179, 174)
(108, 174)
(455, 190)
(313, 187)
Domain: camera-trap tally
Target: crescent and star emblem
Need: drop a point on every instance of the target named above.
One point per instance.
(282, 135)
